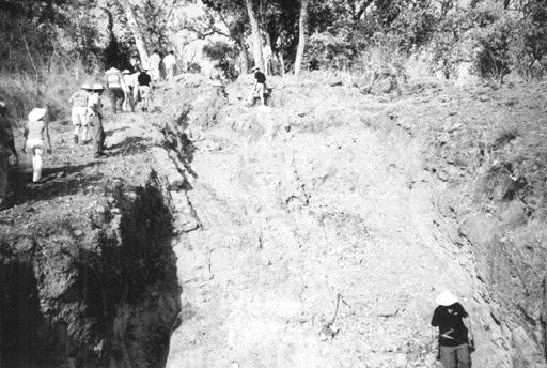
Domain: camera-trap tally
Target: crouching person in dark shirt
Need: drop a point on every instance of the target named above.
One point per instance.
(453, 333)
(259, 87)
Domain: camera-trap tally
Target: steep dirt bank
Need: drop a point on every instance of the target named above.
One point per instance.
(490, 155)
(331, 193)
(87, 271)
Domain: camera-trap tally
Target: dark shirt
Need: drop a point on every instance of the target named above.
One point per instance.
(260, 77)
(452, 330)
(6, 135)
(144, 79)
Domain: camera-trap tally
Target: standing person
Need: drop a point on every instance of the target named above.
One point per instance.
(145, 88)
(7, 146)
(453, 333)
(155, 61)
(170, 65)
(131, 84)
(95, 116)
(135, 65)
(259, 86)
(116, 88)
(36, 137)
(79, 112)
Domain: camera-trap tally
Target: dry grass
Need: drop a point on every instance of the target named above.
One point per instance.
(22, 92)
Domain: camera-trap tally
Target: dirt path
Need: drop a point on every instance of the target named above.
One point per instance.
(291, 223)
(71, 172)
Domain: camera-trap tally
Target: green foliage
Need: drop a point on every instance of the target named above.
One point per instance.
(219, 51)
(415, 25)
(493, 57)
(327, 51)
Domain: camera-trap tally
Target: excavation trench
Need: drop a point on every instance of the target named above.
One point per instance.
(98, 293)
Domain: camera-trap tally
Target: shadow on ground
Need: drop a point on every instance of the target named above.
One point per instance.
(58, 181)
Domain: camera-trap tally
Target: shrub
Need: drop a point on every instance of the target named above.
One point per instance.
(328, 51)
(493, 57)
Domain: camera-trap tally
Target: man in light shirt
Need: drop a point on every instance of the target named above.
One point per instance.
(116, 88)
(154, 66)
(170, 65)
(131, 85)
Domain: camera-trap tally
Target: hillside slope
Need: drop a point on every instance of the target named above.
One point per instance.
(331, 196)
(314, 232)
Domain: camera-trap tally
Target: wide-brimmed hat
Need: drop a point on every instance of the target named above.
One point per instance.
(446, 298)
(37, 114)
(86, 86)
(98, 87)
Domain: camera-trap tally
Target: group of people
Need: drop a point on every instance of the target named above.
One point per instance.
(127, 89)
(123, 89)
(156, 63)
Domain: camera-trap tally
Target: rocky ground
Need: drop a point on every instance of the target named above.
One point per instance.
(87, 269)
(318, 231)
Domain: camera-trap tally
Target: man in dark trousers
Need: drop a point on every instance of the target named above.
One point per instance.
(95, 116)
(116, 89)
(145, 88)
(259, 86)
(453, 333)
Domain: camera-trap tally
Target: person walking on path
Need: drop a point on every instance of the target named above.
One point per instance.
(8, 154)
(116, 88)
(259, 86)
(454, 343)
(95, 116)
(170, 65)
(79, 112)
(135, 65)
(155, 61)
(36, 139)
(145, 89)
(131, 83)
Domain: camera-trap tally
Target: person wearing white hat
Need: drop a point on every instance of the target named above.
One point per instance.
(36, 137)
(95, 116)
(453, 333)
(7, 147)
(79, 112)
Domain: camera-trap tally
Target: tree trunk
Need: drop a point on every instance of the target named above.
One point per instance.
(131, 16)
(257, 38)
(243, 54)
(302, 35)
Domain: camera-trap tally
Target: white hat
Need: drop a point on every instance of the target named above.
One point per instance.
(37, 114)
(446, 298)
